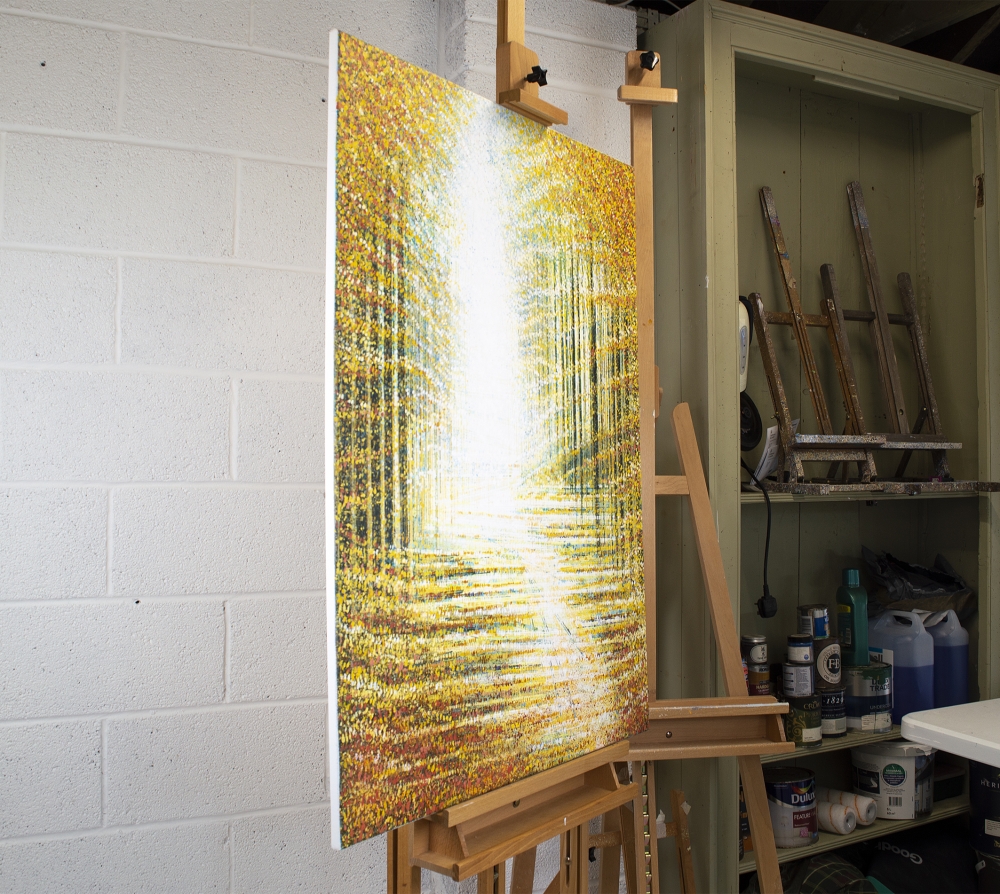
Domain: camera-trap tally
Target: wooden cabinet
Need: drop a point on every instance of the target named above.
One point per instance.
(769, 101)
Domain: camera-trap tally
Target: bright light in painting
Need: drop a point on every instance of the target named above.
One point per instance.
(485, 564)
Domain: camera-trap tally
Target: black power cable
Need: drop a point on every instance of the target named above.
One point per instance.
(767, 605)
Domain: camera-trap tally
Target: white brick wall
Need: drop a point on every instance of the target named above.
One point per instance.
(162, 635)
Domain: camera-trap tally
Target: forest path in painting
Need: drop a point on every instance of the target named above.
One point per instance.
(488, 581)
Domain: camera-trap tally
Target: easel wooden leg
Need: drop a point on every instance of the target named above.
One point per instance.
(627, 814)
(682, 838)
(402, 876)
(493, 880)
(522, 876)
(618, 824)
(580, 859)
(759, 814)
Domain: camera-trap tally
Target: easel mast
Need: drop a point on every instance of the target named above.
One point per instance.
(736, 725)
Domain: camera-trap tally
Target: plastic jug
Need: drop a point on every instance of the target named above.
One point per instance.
(899, 639)
(951, 658)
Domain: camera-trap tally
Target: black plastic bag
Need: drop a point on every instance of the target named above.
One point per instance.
(908, 587)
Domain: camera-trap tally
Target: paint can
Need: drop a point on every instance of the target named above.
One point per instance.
(753, 648)
(759, 679)
(796, 679)
(777, 683)
(803, 722)
(833, 712)
(800, 648)
(814, 620)
(791, 800)
(828, 668)
(868, 697)
(984, 808)
(897, 776)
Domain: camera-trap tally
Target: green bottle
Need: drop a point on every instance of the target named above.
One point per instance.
(852, 618)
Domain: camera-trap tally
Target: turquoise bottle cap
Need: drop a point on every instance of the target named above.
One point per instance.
(852, 578)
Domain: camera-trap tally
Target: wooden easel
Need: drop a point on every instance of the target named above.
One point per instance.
(736, 725)
(879, 321)
(855, 444)
(477, 837)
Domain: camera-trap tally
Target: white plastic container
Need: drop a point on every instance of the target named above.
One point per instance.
(897, 776)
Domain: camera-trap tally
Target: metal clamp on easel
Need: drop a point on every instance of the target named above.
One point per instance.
(518, 73)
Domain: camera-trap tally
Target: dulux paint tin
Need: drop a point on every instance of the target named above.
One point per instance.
(814, 620)
(791, 799)
(869, 697)
(898, 776)
(833, 713)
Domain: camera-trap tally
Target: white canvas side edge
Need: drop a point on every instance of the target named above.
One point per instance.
(328, 478)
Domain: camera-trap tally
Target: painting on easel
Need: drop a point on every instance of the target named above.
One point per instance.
(484, 558)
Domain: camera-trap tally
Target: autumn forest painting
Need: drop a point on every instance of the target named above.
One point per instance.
(484, 542)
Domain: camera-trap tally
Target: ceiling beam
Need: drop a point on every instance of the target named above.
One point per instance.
(985, 30)
(898, 22)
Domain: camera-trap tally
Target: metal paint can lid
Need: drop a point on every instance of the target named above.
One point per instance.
(753, 647)
(788, 775)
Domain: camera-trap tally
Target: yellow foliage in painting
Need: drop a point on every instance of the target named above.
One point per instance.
(489, 601)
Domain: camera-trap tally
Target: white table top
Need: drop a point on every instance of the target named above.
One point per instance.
(971, 730)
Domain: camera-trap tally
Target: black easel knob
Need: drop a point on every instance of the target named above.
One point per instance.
(537, 76)
(649, 60)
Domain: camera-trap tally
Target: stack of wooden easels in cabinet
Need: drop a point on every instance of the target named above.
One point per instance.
(855, 445)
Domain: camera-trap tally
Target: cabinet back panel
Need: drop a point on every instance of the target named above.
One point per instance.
(915, 167)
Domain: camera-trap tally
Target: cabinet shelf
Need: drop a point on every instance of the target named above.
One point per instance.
(829, 841)
(752, 497)
(853, 738)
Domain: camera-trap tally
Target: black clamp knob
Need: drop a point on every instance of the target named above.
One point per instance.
(537, 76)
(649, 60)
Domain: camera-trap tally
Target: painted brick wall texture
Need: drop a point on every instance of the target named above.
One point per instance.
(162, 616)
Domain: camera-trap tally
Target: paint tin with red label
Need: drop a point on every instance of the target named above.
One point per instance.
(791, 799)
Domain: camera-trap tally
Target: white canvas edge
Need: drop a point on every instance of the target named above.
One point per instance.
(328, 478)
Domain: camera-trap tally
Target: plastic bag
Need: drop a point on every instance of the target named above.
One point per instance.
(908, 587)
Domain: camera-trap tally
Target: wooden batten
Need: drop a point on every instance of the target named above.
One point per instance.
(647, 96)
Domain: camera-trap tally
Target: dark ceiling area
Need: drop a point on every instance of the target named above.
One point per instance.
(963, 31)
